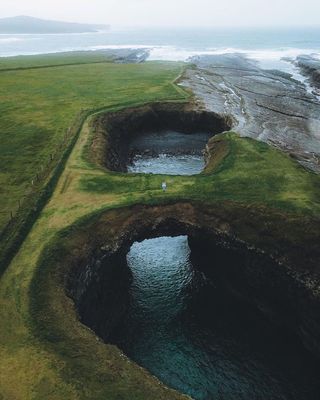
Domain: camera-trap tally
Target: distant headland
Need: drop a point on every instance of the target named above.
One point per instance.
(25, 24)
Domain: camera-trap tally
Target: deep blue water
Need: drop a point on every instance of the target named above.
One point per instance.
(209, 346)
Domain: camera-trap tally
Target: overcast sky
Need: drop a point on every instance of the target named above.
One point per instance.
(171, 12)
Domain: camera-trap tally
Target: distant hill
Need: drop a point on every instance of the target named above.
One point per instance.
(25, 24)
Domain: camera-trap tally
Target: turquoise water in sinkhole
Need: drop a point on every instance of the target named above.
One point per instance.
(181, 327)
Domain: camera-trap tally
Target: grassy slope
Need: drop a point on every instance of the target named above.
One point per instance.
(38, 105)
(248, 172)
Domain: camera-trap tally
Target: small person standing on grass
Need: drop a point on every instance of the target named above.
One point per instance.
(164, 186)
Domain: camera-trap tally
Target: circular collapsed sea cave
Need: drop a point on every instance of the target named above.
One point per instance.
(163, 138)
(207, 314)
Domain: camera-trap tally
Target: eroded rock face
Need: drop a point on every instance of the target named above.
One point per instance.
(265, 105)
(272, 271)
(114, 131)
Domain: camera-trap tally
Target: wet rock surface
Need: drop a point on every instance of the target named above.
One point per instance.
(126, 56)
(310, 67)
(266, 105)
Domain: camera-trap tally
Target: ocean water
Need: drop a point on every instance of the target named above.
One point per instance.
(268, 46)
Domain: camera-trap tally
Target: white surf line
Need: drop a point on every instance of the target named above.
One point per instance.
(171, 53)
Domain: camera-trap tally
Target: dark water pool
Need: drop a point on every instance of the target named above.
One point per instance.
(168, 152)
(200, 341)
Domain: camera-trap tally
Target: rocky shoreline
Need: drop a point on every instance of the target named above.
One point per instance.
(265, 105)
(310, 67)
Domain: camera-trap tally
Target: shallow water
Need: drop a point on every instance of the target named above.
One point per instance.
(167, 164)
(184, 330)
(169, 153)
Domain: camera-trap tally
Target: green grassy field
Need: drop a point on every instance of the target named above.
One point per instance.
(55, 59)
(39, 105)
(50, 356)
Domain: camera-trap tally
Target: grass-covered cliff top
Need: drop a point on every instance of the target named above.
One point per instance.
(38, 106)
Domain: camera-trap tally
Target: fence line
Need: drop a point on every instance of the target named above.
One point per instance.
(41, 187)
(37, 182)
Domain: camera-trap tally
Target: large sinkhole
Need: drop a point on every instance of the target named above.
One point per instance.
(165, 138)
(180, 307)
